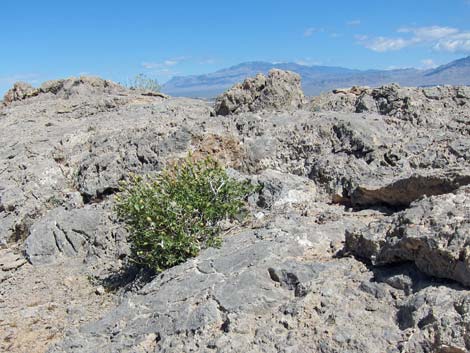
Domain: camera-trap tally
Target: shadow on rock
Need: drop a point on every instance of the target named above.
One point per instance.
(409, 278)
(129, 279)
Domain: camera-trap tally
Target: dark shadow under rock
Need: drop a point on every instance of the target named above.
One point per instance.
(129, 278)
(434, 234)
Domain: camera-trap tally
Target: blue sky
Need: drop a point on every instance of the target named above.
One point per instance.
(43, 40)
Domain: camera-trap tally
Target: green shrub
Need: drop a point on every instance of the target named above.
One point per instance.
(172, 216)
(144, 82)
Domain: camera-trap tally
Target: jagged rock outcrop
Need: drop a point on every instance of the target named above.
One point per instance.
(433, 233)
(436, 320)
(382, 174)
(431, 106)
(111, 158)
(83, 86)
(280, 90)
(19, 91)
(404, 191)
(67, 146)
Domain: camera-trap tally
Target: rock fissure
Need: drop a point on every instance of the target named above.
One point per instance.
(68, 239)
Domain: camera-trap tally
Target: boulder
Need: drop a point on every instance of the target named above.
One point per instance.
(19, 91)
(111, 158)
(280, 90)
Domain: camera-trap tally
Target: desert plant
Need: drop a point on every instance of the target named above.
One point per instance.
(143, 82)
(173, 215)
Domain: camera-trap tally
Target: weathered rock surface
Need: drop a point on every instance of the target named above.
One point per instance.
(433, 233)
(406, 190)
(274, 293)
(82, 86)
(278, 91)
(431, 106)
(86, 232)
(382, 174)
(19, 91)
(281, 291)
(66, 151)
(436, 320)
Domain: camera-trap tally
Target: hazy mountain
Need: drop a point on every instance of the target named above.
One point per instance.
(455, 73)
(317, 79)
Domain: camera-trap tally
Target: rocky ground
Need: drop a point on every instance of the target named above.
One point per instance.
(359, 240)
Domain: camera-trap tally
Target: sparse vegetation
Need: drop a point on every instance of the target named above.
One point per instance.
(54, 201)
(172, 216)
(143, 82)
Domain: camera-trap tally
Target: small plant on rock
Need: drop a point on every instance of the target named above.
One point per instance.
(144, 82)
(172, 216)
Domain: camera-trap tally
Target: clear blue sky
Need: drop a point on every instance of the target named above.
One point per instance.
(43, 40)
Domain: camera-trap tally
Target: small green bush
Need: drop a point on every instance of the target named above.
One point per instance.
(144, 82)
(172, 216)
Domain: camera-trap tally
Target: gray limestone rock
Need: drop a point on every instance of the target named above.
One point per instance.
(420, 106)
(280, 90)
(404, 191)
(81, 86)
(434, 233)
(280, 190)
(436, 319)
(18, 92)
(251, 299)
(385, 170)
(82, 232)
(111, 158)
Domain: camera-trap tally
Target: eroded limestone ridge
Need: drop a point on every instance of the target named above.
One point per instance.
(358, 241)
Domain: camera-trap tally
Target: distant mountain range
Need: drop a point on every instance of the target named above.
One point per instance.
(318, 79)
